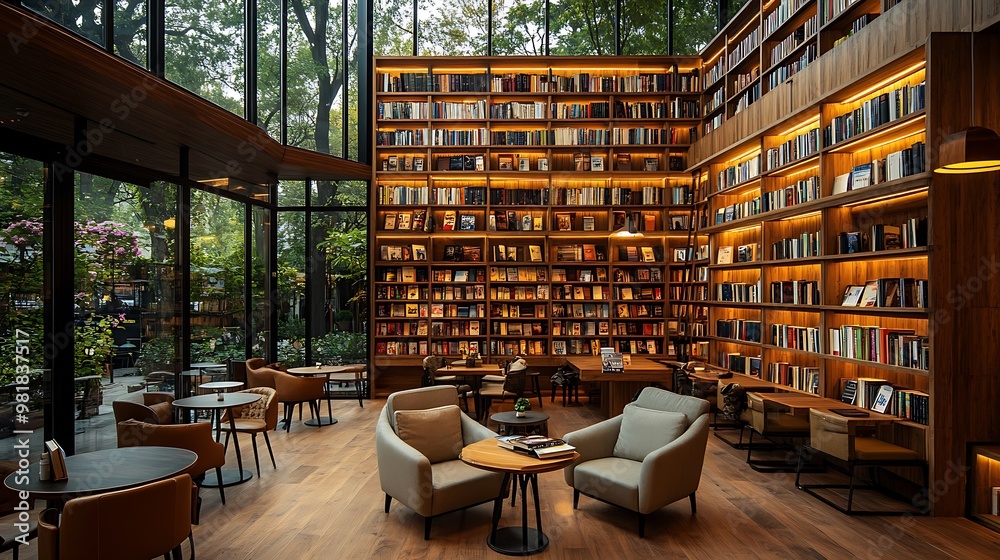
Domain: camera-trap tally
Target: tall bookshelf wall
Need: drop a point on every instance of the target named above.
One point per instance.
(775, 306)
(498, 183)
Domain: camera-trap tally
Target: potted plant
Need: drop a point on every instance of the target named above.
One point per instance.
(344, 319)
(521, 406)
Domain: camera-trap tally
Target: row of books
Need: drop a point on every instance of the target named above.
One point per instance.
(410, 310)
(391, 348)
(744, 253)
(714, 72)
(569, 291)
(747, 365)
(804, 32)
(518, 110)
(474, 110)
(520, 293)
(687, 254)
(455, 347)
(580, 253)
(779, 75)
(521, 347)
(580, 310)
(650, 346)
(519, 197)
(796, 337)
(620, 196)
(739, 292)
(519, 82)
(403, 163)
(399, 328)
(738, 329)
(633, 328)
(517, 310)
(415, 252)
(803, 145)
(579, 275)
(689, 293)
(798, 292)
(401, 137)
(876, 111)
(518, 274)
(650, 136)
(577, 346)
(458, 310)
(456, 328)
(740, 81)
(461, 137)
(830, 9)
(808, 244)
(519, 138)
(797, 377)
(401, 292)
(684, 274)
(508, 328)
(738, 173)
(644, 82)
(402, 195)
(802, 191)
(747, 98)
(580, 328)
(899, 347)
(427, 82)
(451, 293)
(639, 293)
(401, 274)
(459, 275)
(394, 110)
(887, 292)
(744, 47)
(513, 253)
(463, 253)
(640, 254)
(784, 10)
(594, 110)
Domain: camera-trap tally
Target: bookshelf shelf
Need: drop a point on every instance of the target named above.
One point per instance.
(902, 127)
(571, 295)
(792, 22)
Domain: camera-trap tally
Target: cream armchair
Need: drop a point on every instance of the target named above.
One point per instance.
(645, 458)
(418, 438)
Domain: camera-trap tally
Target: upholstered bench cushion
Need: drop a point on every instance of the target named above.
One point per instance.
(871, 449)
(644, 430)
(614, 479)
(435, 432)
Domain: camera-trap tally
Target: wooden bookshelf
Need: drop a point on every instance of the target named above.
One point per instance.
(500, 200)
(745, 208)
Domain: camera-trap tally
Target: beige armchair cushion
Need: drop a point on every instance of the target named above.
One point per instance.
(436, 432)
(645, 430)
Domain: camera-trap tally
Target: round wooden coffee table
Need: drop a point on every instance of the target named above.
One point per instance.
(509, 423)
(487, 455)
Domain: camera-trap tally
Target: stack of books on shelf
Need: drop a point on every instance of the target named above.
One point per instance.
(887, 292)
(801, 146)
(798, 292)
(897, 347)
(795, 337)
(805, 245)
(797, 377)
(747, 365)
(875, 112)
(738, 329)
(739, 292)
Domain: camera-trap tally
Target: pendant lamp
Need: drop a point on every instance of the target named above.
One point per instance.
(975, 149)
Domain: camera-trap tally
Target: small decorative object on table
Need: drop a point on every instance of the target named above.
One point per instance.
(521, 406)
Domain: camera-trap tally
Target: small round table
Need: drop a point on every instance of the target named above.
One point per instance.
(106, 470)
(221, 386)
(312, 371)
(211, 402)
(487, 455)
(509, 423)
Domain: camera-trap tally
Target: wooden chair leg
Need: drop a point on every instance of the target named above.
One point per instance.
(357, 385)
(694, 504)
(222, 488)
(576, 499)
(267, 440)
(388, 500)
(427, 528)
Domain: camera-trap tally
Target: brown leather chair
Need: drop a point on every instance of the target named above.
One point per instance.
(9, 499)
(195, 437)
(255, 418)
(91, 527)
(294, 390)
(151, 407)
(258, 374)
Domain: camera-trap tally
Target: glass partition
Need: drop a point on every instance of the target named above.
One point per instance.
(695, 24)
(519, 27)
(131, 29)
(22, 194)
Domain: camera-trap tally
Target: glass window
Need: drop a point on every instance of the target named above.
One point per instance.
(582, 27)
(519, 27)
(130, 31)
(125, 328)
(86, 19)
(339, 193)
(643, 27)
(392, 30)
(315, 76)
(291, 193)
(695, 24)
(217, 278)
(260, 289)
(204, 50)
(291, 285)
(269, 67)
(452, 28)
(340, 264)
(22, 196)
(353, 92)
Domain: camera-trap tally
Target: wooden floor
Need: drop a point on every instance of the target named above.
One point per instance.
(324, 502)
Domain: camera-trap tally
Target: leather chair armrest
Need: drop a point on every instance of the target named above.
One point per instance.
(404, 473)
(674, 470)
(593, 442)
(48, 535)
(155, 397)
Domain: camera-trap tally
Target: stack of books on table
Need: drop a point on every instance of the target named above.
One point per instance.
(541, 447)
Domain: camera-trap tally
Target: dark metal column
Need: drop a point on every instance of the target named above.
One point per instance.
(155, 40)
(366, 58)
(183, 269)
(250, 61)
(283, 53)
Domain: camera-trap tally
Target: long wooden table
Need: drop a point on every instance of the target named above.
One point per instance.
(802, 401)
(617, 389)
